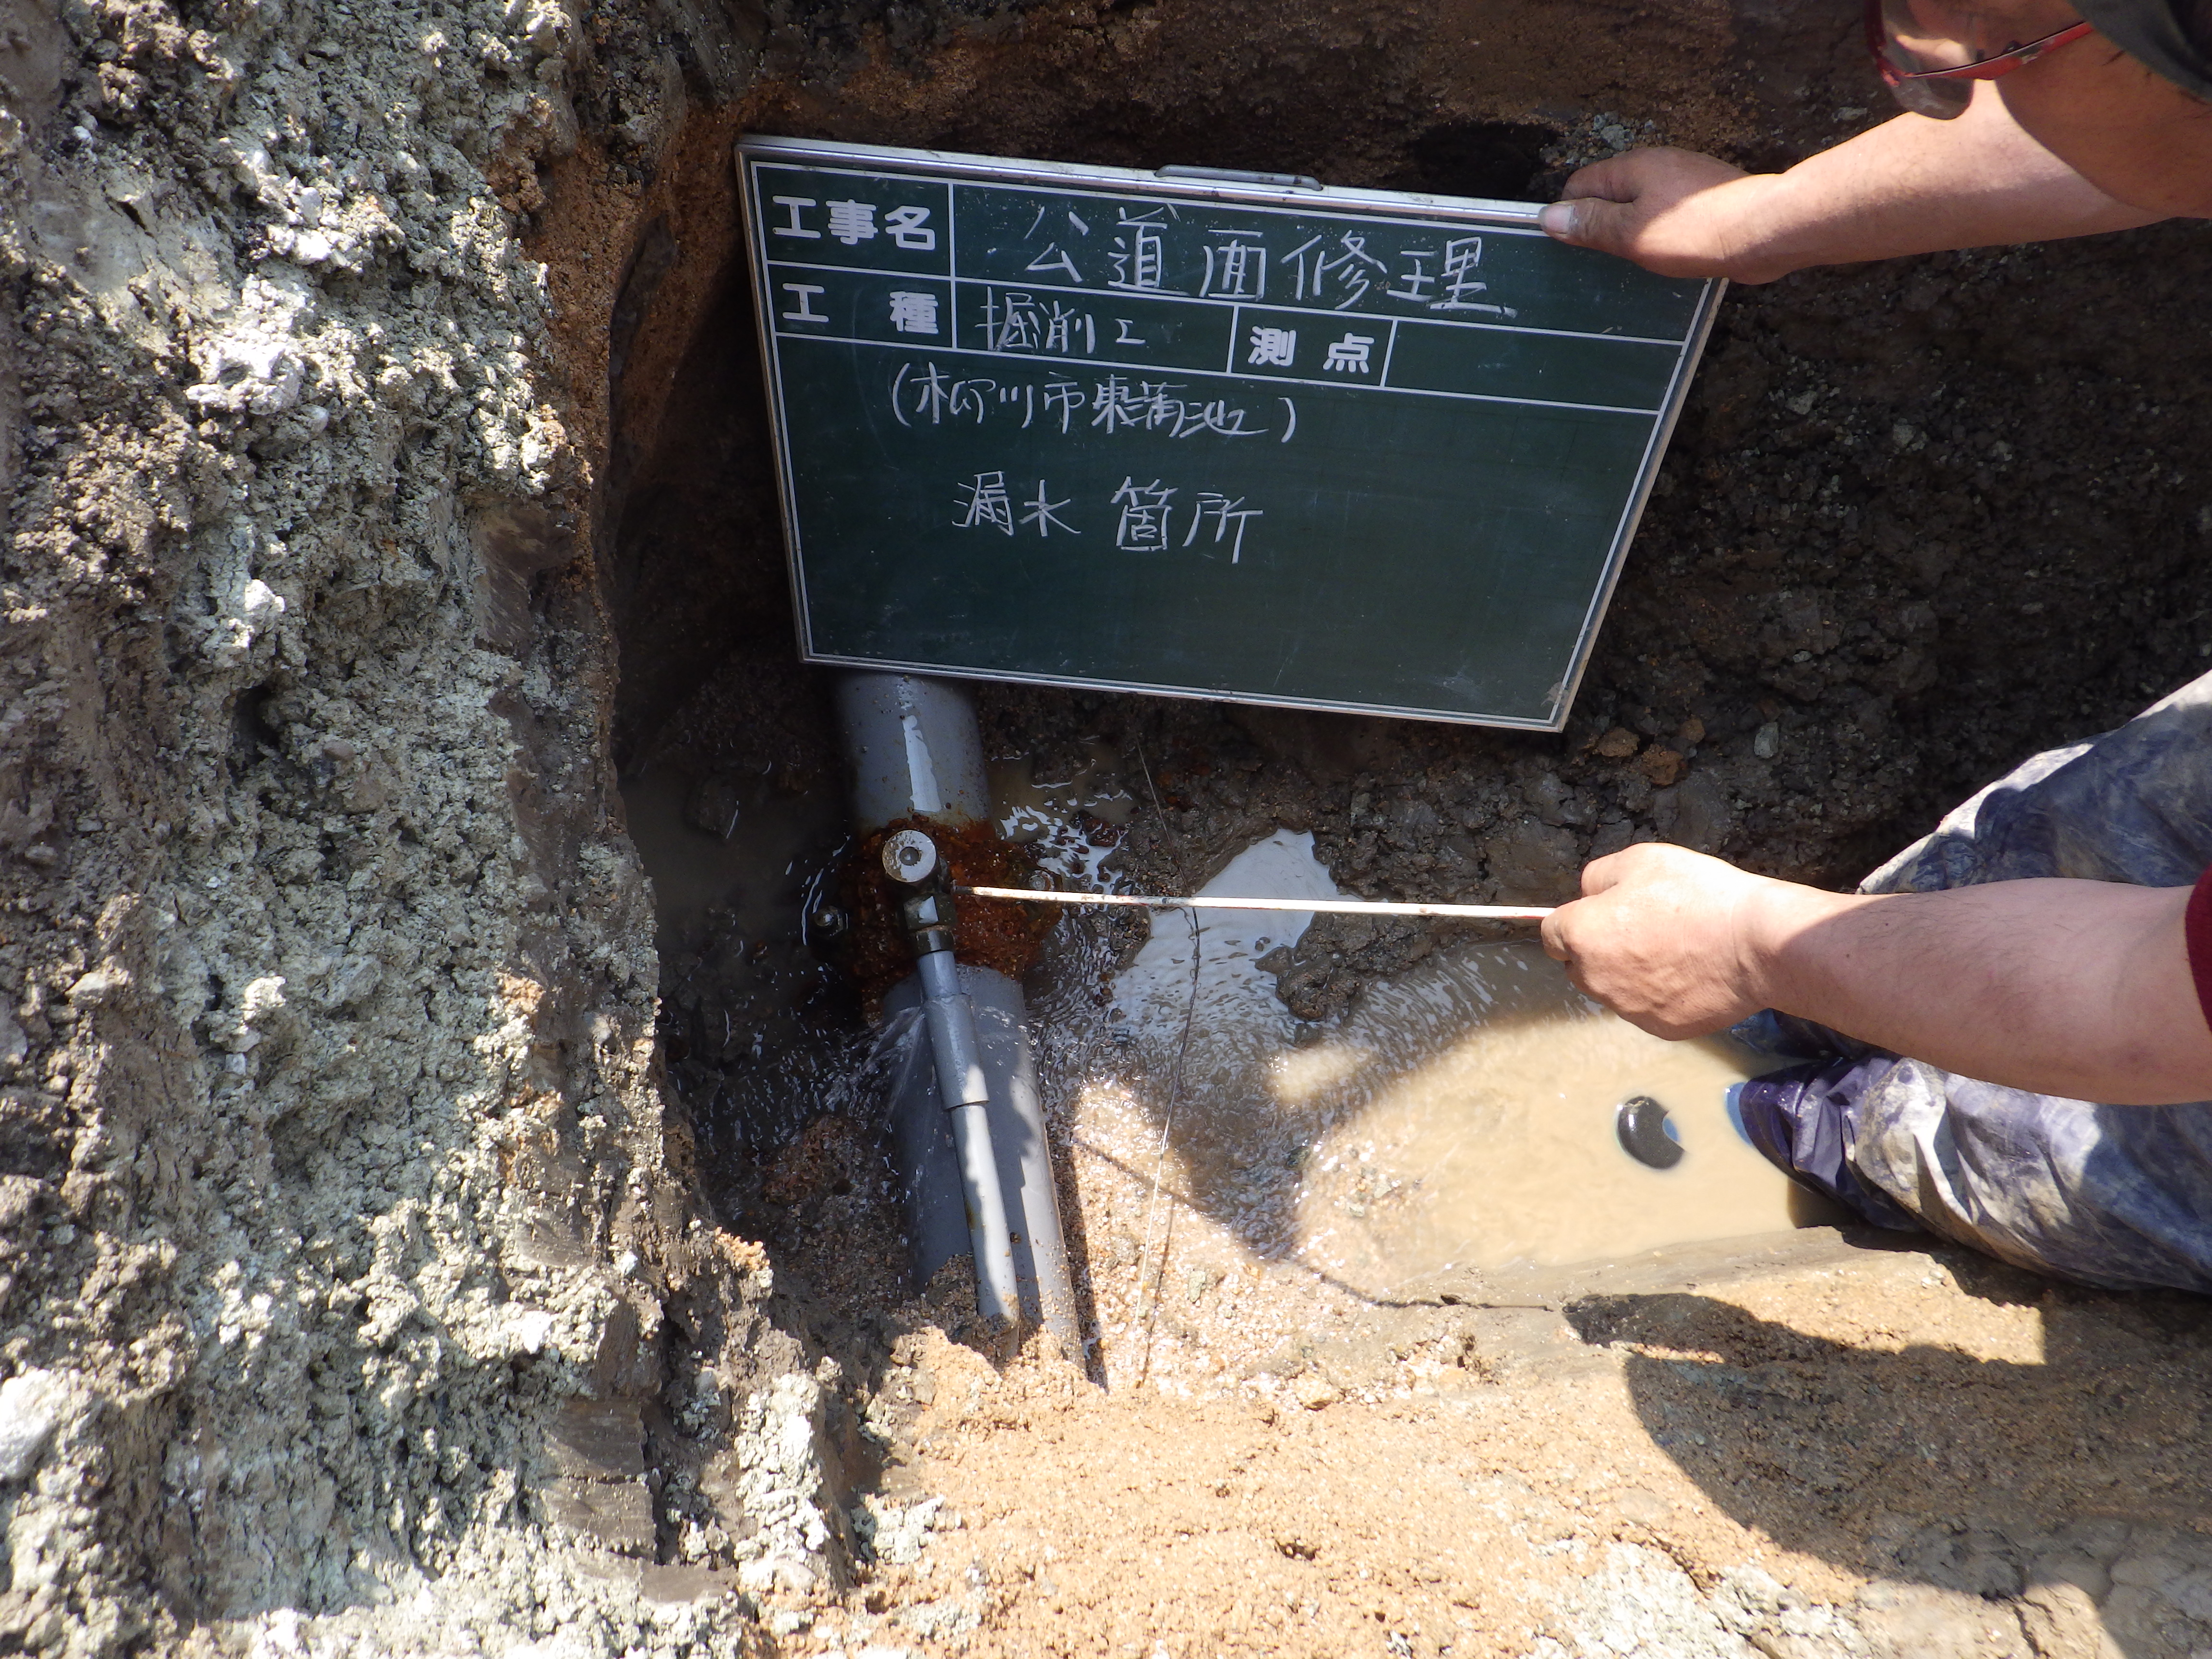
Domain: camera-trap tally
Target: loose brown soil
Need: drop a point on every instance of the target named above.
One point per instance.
(1920, 520)
(371, 1276)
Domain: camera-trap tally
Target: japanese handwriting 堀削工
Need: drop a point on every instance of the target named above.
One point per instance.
(1026, 324)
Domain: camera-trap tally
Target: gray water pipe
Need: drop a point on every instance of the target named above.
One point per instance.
(916, 752)
(963, 1092)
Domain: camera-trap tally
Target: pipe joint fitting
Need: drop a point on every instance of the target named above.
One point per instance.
(926, 910)
(928, 917)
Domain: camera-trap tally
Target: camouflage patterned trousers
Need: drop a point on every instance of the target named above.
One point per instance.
(2110, 1195)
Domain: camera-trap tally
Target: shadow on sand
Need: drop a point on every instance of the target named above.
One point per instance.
(2073, 1487)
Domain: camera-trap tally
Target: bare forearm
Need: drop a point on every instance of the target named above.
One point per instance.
(1910, 185)
(1914, 186)
(2067, 988)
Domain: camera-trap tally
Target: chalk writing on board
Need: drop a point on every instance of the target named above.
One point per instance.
(1145, 514)
(1146, 511)
(987, 504)
(938, 397)
(1339, 275)
(1053, 259)
(1236, 269)
(1050, 327)
(979, 367)
(1043, 514)
(1021, 323)
(1416, 281)
(1154, 406)
(1140, 256)
(1226, 511)
(925, 394)
(1462, 256)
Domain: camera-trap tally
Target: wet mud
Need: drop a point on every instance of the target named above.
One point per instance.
(1919, 521)
(441, 1170)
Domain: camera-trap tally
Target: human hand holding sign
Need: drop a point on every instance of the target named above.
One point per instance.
(1672, 211)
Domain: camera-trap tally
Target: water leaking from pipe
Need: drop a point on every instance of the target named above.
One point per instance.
(969, 1132)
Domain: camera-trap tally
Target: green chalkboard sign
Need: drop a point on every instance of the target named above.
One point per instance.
(1216, 435)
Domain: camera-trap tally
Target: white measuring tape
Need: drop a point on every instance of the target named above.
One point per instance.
(1331, 907)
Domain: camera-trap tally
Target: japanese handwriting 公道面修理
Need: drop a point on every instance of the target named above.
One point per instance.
(1143, 251)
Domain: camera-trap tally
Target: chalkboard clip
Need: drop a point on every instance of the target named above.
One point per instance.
(1238, 176)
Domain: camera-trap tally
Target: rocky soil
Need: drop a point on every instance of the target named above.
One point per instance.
(391, 1261)
(351, 1265)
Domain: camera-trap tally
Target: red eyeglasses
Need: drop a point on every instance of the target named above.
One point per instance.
(1934, 75)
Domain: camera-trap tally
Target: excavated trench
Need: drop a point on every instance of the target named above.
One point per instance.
(1920, 522)
(389, 1264)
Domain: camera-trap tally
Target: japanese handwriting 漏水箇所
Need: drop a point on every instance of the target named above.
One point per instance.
(1142, 516)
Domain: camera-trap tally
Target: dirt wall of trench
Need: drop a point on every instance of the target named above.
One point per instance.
(352, 1271)
(381, 467)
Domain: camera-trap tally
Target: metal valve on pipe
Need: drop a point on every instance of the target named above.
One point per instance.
(911, 858)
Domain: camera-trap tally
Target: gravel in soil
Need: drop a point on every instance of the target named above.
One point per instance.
(1920, 520)
(358, 1293)
(1802, 1445)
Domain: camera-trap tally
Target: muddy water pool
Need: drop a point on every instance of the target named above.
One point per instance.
(1240, 1174)
(761, 1031)
(1239, 1178)
(1475, 1126)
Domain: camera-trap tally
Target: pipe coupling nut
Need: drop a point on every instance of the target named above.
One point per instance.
(926, 910)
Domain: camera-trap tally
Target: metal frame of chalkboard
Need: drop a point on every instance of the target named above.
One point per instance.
(1183, 184)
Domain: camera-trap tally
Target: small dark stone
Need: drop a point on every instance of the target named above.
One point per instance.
(1645, 1134)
